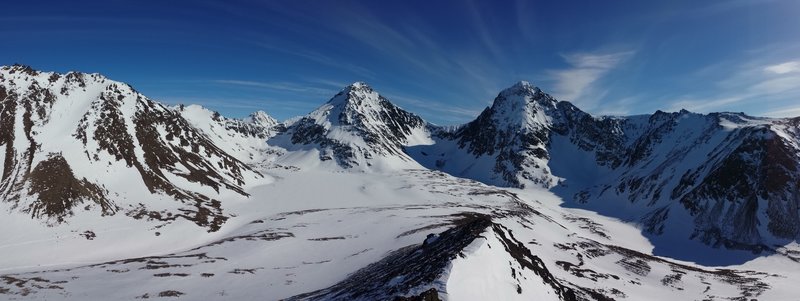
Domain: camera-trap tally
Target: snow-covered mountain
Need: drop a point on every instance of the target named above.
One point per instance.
(732, 177)
(80, 142)
(506, 145)
(736, 175)
(357, 128)
(511, 143)
(361, 200)
(245, 139)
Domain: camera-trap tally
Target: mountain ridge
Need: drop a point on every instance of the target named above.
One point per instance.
(360, 199)
(79, 123)
(527, 138)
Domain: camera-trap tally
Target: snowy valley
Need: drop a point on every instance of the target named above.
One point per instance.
(110, 195)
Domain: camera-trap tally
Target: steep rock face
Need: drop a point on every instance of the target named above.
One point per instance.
(757, 179)
(515, 131)
(732, 173)
(77, 124)
(358, 128)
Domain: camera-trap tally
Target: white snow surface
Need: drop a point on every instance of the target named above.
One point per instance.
(309, 229)
(486, 257)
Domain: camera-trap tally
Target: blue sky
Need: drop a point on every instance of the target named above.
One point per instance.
(444, 60)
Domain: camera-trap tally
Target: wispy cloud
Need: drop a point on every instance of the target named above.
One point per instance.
(452, 113)
(704, 104)
(619, 107)
(231, 103)
(408, 45)
(766, 83)
(482, 28)
(793, 111)
(286, 47)
(715, 7)
(421, 52)
(418, 52)
(335, 84)
(278, 86)
(783, 68)
(577, 83)
(243, 106)
(775, 85)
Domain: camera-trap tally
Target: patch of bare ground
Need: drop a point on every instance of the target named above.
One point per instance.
(240, 271)
(58, 191)
(23, 286)
(263, 235)
(587, 224)
(170, 293)
(327, 238)
(171, 275)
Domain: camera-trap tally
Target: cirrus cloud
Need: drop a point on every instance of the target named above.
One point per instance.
(577, 83)
(783, 68)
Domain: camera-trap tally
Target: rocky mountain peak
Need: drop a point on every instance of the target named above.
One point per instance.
(360, 106)
(261, 118)
(523, 106)
(522, 86)
(18, 68)
(357, 125)
(523, 96)
(356, 96)
(359, 86)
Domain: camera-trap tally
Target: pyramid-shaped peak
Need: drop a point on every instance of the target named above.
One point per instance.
(357, 93)
(359, 85)
(523, 84)
(259, 114)
(522, 87)
(521, 95)
(261, 118)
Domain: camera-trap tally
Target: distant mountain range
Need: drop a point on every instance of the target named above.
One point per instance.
(79, 144)
(735, 175)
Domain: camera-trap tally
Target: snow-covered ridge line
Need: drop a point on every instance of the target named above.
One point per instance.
(110, 144)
